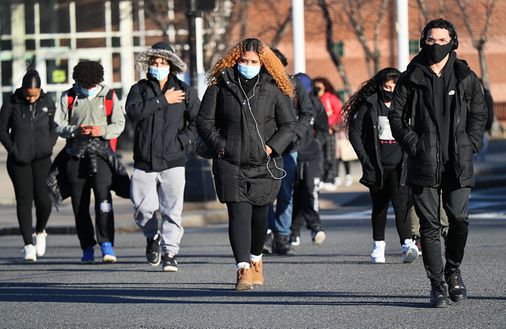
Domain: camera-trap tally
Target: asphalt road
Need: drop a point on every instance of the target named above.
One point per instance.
(332, 286)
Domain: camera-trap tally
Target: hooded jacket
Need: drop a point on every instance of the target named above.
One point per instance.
(414, 125)
(364, 136)
(163, 131)
(26, 130)
(226, 124)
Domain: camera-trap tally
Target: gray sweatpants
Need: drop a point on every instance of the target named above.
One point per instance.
(164, 191)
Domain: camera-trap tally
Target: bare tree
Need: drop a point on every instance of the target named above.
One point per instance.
(336, 58)
(218, 29)
(479, 38)
(157, 10)
(281, 28)
(426, 12)
(354, 10)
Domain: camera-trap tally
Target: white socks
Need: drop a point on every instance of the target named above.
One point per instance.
(253, 258)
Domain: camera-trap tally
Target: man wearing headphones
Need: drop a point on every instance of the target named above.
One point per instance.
(438, 117)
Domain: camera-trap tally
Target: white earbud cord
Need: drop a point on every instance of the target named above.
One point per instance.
(258, 132)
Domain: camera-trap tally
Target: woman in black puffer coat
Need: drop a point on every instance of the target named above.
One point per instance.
(26, 122)
(247, 119)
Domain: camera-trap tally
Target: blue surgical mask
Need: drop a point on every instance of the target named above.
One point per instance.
(86, 92)
(159, 73)
(247, 71)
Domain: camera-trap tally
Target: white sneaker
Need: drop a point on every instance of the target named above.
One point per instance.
(337, 181)
(348, 180)
(378, 252)
(40, 243)
(329, 187)
(29, 253)
(410, 251)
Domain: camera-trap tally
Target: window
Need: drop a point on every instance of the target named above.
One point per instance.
(341, 93)
(414, 46)
(57, 71)
(338, 48)
(54, 17)
(90, 16)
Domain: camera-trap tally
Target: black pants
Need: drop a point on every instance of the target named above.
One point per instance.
(30, 186)
(455, 203)
(81, 184)
(306, 202)
(346, 165)
(401, 202)
(246, 229)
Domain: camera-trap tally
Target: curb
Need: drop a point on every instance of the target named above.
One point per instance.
(210, 217)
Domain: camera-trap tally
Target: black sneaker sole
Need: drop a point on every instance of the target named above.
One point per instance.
(458, 299)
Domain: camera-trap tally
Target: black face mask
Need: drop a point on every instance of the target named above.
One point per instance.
(316, 90)
(386, 95)
(435, 53)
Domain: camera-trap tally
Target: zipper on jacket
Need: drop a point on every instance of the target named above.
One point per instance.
(438, 162)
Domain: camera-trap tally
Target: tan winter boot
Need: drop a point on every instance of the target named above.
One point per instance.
(257, 273)
(244, 279)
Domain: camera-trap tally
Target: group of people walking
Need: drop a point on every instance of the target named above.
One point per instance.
(414, 133)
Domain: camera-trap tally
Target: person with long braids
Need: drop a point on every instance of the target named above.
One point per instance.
(247, 119)
(382, 160)
(26, 124)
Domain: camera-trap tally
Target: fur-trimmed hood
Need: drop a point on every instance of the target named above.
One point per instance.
(163, 50)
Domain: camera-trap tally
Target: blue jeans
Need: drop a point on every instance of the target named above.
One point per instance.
(280, 220)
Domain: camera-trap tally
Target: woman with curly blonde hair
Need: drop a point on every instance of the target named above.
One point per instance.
(246, 119)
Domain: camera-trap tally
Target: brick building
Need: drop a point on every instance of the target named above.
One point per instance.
(53, 35)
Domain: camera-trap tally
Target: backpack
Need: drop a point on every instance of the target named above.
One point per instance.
(109, 105)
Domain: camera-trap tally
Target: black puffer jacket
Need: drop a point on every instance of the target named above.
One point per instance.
(26, 130)
(225, 123)
(363, 134)
(414, 126)
(162, 131)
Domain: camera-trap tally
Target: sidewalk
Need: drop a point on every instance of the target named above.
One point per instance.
(491, 173)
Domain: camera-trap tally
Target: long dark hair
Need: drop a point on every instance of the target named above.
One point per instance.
(326, 84)
(371, 86)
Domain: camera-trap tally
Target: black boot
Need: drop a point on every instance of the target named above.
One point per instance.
(456, 288)
(438, 295)
(282, 246)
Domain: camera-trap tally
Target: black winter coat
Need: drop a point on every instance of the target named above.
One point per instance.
(310, 145)
(413, 124)
(363, 134)
(302, 106)
(26, 130)
(163, 131)
(226, 123)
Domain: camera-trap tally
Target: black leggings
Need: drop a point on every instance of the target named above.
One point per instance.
(30, 186)
(401, 201)
(346, 165)
(247, 229)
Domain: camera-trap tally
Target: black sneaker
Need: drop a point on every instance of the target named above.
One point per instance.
(267, 249)
(294, 239)
(153, 250)
(169, 263)
(438, 295)
(456, 288)
(282, 246)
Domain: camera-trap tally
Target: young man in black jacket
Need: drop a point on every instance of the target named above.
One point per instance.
(280, 217)
(164, 110)
(438, 117)
(306, 194)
